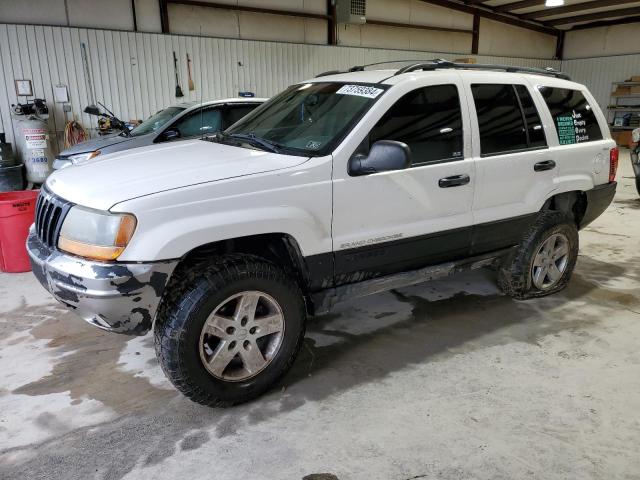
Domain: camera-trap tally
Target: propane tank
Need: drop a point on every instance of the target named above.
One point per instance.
(33, 140)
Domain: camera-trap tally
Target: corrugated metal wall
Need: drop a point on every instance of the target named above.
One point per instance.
(599, 73)
(133, 72)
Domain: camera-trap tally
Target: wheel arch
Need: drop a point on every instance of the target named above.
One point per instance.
(574, 203)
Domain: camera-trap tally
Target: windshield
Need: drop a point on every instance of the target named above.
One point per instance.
(309, 119)
(155, 121)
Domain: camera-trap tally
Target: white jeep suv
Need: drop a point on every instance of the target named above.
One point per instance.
(344, 185)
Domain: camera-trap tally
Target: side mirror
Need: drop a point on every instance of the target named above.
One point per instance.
(92, 110)
(171, 134)
(384, 156)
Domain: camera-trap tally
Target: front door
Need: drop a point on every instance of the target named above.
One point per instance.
(394, 221)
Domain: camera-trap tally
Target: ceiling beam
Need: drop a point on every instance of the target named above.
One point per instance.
(510, 7)
(607, 23)
(418, 27)
(620, 12)
(270, 11)
(579, 7)
(491, 15)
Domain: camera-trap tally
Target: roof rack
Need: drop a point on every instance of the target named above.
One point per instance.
(439, 63)
(360, 68)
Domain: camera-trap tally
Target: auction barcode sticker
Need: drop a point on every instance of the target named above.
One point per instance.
(360, 91)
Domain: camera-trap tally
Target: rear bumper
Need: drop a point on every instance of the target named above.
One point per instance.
(118, 297)
(598, 199)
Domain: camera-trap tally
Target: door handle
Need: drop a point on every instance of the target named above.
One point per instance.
(546, 165)
(454, 181)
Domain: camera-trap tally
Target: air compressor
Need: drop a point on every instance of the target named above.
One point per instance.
(32, 138)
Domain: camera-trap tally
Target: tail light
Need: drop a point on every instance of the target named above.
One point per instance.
(613, 163)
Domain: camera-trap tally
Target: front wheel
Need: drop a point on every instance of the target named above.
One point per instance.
(544, 261)
(232, 331)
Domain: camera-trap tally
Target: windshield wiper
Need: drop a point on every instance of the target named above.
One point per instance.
(252, 139)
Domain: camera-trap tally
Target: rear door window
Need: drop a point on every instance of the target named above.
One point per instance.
(572, 115)
(507, 118)
(428, 120)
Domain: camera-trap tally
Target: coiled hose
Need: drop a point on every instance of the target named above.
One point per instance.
(74, 133)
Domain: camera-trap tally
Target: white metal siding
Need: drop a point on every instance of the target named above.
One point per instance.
(133, 72)
(599, 73)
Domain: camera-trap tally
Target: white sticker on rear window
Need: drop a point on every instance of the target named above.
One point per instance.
(360, 91)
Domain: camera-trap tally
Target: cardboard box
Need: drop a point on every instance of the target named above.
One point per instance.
(635, 90)
(635, 78)
(622, 90)
(622, 138)
(465, 60)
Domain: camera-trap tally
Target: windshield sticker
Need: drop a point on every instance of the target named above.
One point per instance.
(312, 145)
(360, 91)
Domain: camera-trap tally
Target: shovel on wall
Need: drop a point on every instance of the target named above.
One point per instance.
(175, 69)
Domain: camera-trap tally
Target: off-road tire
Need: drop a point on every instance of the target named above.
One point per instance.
(515, 272)
(193, 295)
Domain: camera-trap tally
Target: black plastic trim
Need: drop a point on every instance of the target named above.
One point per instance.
(598, 199)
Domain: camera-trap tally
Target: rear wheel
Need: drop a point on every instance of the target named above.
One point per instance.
(230, 330)
(544, 261)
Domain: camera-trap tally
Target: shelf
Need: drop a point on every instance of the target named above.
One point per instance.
(637, 109)
(627, 84)
(622, 128)
(631, 95)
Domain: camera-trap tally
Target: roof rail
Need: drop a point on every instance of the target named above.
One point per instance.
(439, 63)
(444, 64)
(360, 68)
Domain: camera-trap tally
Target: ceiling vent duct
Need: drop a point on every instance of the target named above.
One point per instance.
(351, 11)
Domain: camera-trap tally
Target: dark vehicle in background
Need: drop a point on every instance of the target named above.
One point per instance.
(635, 156)
(180, 122)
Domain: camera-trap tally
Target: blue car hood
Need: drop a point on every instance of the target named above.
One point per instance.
(94, 144)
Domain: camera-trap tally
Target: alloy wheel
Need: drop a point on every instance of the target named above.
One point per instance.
(550, 262)
(242, 336)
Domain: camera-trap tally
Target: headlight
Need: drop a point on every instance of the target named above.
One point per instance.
(96, 234)
(81, 157)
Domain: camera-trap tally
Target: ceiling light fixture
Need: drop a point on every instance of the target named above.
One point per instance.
(553, 3)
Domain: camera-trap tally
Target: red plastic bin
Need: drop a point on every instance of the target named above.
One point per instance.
(17, 210)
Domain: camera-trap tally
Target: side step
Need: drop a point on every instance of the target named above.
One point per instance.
(325, 300)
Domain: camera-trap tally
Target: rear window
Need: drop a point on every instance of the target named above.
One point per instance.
(572, 115)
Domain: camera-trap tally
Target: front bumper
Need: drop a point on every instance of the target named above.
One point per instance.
(118, 297)
(598, 199)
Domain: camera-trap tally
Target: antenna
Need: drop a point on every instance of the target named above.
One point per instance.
(201, 87)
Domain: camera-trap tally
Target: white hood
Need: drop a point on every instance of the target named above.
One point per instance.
(103, 182)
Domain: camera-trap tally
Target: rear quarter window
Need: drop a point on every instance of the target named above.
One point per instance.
(572, 115)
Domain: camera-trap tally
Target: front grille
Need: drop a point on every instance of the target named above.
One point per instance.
(50, 213)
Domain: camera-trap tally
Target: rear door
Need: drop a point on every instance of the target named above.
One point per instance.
(515, 168)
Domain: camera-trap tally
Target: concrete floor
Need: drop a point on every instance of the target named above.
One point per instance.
(448, 380)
